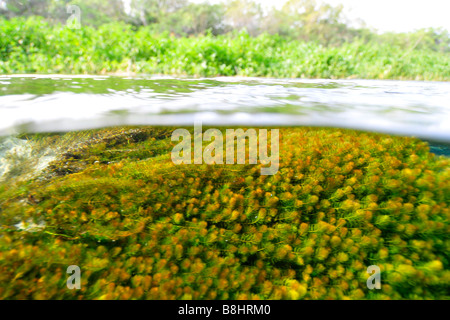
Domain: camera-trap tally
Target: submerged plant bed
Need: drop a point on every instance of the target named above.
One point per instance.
(141, 227)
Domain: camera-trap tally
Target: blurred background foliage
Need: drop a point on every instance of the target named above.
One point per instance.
(297, 19)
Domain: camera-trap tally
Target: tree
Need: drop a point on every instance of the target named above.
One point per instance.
(93, 12)
(98, 12)
(145, 12)
(15, 8)
(244, 14)
(195, 19)
(308, 21)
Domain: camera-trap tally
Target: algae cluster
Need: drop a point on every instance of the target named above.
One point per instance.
(140, 227)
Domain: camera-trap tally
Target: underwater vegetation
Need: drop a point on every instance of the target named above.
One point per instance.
(141, 227)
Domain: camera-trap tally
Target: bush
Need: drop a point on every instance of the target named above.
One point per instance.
(33, 46)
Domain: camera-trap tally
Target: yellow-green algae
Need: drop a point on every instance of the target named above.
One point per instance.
(141, 227)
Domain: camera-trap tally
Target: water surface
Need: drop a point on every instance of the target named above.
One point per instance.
(49, 103)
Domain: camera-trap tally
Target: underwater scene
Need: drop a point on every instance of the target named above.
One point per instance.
(227, 188)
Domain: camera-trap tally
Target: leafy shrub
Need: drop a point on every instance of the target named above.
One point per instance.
(34, 46)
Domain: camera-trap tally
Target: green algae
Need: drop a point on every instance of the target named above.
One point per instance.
(140, 227)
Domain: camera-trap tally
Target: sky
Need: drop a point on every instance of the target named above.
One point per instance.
(388, 15)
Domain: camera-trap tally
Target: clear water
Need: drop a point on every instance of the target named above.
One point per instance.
(70, 205)
(49, 103)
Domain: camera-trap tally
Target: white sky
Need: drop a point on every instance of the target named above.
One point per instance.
(388, 15)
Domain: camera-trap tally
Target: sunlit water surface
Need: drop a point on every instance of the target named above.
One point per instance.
(64, 103)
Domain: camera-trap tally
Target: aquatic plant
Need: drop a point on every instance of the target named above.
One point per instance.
(141, 227)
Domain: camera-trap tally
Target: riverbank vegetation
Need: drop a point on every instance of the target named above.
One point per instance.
(141, 227)
(301, 39)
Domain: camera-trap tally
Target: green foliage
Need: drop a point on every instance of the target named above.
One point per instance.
(93, 12)
(12, 8)
(33, 46)
(306, 20)
(141, 227)
(181, 18)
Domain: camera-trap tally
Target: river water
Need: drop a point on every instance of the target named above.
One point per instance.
(47, 103)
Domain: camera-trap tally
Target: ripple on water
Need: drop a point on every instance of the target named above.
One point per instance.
(40, 103)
